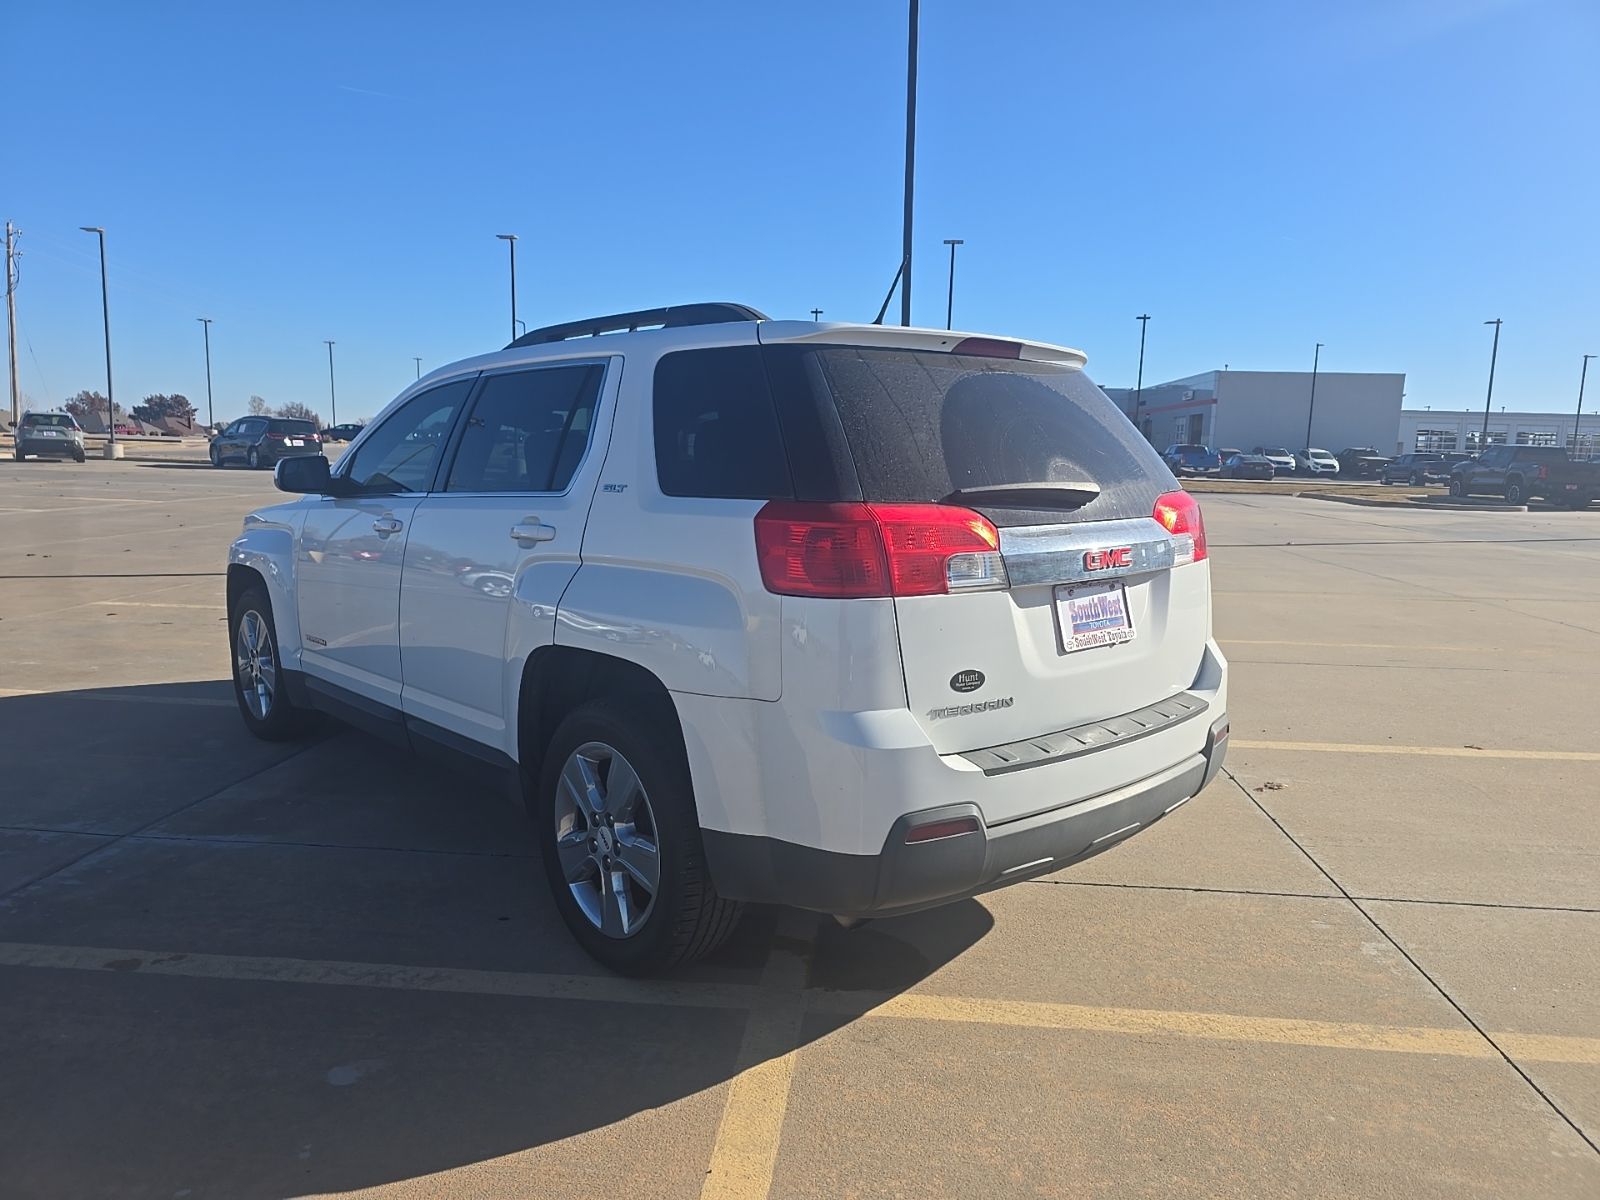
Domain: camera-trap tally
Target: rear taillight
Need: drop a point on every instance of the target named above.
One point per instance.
(273, 436)
(843, 551)
(1179, 515)
(1544, 472)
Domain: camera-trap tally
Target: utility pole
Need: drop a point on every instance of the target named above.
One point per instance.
(333, 401)
(950, 295)
(211, 416)
(417, 358)
(816, 314)
(1138, 386)
(1316, 357)
(911, 160)
(11, 318)
(1582, 377)
(1483, 442)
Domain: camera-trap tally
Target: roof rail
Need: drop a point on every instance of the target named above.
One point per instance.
(714, 313)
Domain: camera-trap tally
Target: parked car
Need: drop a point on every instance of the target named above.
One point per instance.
(1361, 462)
(1523, 473)
(1312, 461)
(48, 435)
(1192, 459)
(1416, 469)
(964, 642)
(1247, 466)
(264, 441)
(1226, 453)
(1282, 461)
(342, 433)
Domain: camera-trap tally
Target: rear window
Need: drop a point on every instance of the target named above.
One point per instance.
(56, 420)
(292, 427)
(923, 425)
(716, 431)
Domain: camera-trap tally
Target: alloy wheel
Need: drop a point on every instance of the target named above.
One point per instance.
(256, 664)
(606, 840)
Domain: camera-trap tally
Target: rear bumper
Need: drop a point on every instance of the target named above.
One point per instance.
(53, 447)
(907, 876)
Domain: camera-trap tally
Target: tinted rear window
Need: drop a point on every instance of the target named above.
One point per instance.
(715, 428)
(299, 428)
(922, 425)
(55, 420)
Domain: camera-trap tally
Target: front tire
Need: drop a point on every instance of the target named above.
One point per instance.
(1515, 494)
(1457, 488)
(258, 679)
(617, 826)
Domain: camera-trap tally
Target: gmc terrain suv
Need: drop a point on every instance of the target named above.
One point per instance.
(852, 618)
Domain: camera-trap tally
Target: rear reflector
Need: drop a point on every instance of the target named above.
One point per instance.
(934, 830)
(845, 551)
(1179, 515)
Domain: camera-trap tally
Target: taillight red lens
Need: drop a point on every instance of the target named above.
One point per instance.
(855, 550)
(276, 437)
(1179, 513)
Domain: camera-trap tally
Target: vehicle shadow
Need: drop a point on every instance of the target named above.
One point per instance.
(331, 966)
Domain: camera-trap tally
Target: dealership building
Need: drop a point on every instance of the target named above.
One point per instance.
(1245, 409)
(1461, 429)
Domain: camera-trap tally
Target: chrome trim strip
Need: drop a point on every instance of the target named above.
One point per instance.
(1087, 738)
(1055, 553)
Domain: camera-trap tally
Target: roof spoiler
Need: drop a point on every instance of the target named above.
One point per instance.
(671, 317)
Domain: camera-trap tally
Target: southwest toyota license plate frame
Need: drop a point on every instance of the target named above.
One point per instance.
(1092, 614)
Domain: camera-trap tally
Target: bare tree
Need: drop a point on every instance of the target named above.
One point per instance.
(299, 412)
(258, 407)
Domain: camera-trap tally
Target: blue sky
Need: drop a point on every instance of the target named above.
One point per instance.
(1378, 175)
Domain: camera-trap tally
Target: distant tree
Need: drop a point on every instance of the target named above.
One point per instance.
(258, 407)
(299, 412)
(85, 403)
(157, 406)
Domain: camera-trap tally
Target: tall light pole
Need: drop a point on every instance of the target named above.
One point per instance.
(112, 449)
(911, 160)
(417, 358)
(1138, 385)
(1316, 358)
(1494, 353)
(510, 239)
(950, 295)
(333, 402)
(211, 417)
(1582, 376)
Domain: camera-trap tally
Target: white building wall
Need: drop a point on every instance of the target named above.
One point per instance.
(1269, 408)
(1438, 429)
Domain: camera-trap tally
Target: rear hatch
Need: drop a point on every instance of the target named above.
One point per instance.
(1095, 610)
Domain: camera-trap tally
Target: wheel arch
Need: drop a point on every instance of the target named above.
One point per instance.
(265, 554)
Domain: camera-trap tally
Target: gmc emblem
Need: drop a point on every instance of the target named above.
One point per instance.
(1105, 560)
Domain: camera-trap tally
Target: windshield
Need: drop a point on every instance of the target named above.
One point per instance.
(924, 425)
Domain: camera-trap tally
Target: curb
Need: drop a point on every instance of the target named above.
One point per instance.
(1410, 502)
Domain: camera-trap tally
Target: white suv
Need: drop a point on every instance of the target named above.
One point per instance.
(853, 618)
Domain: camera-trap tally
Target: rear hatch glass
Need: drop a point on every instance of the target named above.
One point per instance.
(925, 426)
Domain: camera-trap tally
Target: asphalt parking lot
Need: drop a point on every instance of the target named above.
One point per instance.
(1364, 963)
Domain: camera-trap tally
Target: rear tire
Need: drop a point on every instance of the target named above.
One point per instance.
(258, 677)
(80, 457)
(253, 459)
(19, 455)
(216, 458)
(618, 765)
(1515, 494)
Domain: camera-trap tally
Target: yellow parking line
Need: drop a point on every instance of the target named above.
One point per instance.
(1422, 751)
(1226, 1027)
(745, 1152)
(1475, 651)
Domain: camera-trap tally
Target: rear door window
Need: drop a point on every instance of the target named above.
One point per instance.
(528, 430)
(925, 426)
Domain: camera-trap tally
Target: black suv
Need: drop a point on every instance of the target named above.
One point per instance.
(263, 441)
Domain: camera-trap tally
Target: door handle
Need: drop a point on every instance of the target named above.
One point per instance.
(386, 525)
(530, 532)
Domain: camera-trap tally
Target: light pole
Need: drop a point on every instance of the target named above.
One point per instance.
(911, 159)
(417, 358)
(1494, 353)
(1138, 385)
(510, 239)
(816, 314)
(333, 402)
(1316, 357)
(950, 295)
(211, 419)
(112, 450)
(1582, 376)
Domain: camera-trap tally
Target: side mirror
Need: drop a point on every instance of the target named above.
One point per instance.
(306, 474)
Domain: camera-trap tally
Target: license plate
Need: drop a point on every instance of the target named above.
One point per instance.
(1091, 615)
(1572, 487)
(295, 442)
(49, 433)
